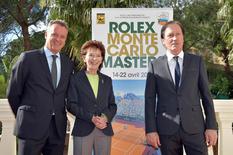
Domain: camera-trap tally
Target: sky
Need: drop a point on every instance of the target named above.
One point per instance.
(40, 27)
(129, 86)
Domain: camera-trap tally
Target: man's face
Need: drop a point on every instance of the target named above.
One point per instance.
(173, 39)
(55, 38)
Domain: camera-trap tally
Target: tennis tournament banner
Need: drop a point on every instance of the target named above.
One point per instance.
(132, 40)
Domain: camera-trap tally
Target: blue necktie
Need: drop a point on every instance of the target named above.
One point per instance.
(54, 71)
(177, 73)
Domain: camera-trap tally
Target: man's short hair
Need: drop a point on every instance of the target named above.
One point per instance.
(59, 22)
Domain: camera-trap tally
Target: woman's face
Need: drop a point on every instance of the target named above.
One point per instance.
(93, 59)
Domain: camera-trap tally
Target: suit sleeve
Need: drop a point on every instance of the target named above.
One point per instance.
(16, 83)
(150, 101)
(73, 105)
(111, 109)
(207, 101)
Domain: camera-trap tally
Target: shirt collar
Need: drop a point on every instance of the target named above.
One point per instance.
(170, 55)
(48, 53)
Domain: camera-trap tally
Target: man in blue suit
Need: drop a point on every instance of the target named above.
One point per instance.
(176, 82)
(37, 94)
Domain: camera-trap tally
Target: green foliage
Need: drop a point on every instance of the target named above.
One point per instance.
(225, 16)
(208, 28)
(220, 86)
(9, 59)
(3, 85)
(37, 40)
(199, 20)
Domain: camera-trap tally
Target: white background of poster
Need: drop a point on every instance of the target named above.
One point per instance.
(141, 22)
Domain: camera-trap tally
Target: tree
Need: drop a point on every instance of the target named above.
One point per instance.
(14, 49)
(208, 26)
(206, 31)
(225, 16)
(16, 16)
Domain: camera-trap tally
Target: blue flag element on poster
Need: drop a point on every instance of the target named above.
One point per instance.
(132, 40)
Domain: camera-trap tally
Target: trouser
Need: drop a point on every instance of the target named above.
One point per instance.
(96, 141)
(50, 144)
(194, 144)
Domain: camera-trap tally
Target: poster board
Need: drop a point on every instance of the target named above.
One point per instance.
(132, 40)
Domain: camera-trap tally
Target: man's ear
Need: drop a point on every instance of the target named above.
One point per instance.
(162, 40)
(45, 34)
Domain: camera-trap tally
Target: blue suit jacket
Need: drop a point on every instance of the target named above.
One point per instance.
(83, 104)
(163, 104)
(32, 97)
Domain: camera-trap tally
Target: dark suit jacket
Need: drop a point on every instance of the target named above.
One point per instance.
(32, 97)
(163, 104)
(83, 104)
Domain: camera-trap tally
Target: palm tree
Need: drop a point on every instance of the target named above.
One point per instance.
(225, 16)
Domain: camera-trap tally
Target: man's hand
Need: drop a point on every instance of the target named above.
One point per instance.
(211, 137)
(153, 139)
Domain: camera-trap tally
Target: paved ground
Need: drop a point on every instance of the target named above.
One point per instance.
(129, 140)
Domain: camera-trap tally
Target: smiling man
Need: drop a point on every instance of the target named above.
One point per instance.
(176, 82)
(37, 94)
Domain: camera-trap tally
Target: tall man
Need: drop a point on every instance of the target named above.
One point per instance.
(175, 84)
(37, 92)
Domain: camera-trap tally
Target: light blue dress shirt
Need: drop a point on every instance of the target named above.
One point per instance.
(49, 58)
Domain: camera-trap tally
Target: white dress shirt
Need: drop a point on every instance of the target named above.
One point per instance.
(49, 58)
(172, 63)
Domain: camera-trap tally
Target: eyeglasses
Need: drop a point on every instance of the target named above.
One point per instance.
(92, 56)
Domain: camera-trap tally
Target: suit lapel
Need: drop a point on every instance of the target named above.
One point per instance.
(45, 67)
(87, 85)
(167, 71)
(186, 62)
(100, 88)
(63, 71)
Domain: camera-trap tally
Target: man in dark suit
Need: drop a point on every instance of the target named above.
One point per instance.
(37, 95)
(176, 82)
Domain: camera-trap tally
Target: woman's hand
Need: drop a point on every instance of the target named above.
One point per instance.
(100, 122)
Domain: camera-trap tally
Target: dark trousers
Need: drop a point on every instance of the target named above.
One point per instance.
(50, 144)
(194, 144)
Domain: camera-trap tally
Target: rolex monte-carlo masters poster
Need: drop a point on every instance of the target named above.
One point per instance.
(132, 40)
